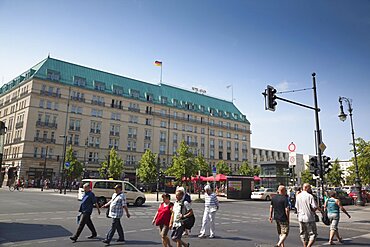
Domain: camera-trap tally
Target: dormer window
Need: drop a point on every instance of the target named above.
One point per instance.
(117, 90)
(135, 93)
(52, 75)
(79, 81)
(100, 86)
(149, 97)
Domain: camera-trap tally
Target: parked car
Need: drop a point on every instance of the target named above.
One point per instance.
(365, 195)
(263, 194)
(103, 190)
(348, 189)
(344, 198)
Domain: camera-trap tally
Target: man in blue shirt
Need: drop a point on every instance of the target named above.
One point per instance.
(86, 208)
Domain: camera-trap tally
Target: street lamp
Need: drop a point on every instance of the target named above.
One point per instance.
(3, 129)
(342, 116)
(63, 165)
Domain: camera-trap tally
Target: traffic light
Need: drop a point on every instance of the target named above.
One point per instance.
(314, 166)
(271, 103)
(326, 164)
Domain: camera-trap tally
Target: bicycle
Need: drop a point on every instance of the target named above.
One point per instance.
(13, 187)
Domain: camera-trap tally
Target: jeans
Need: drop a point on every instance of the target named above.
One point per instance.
(116, 225)
(85, 220)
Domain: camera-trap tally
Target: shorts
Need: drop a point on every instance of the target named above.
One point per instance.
(307, 231)
(177, 233)
(163, 230)
(334, 221)
(282, 227)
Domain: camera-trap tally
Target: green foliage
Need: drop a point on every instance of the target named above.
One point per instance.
(202, 166)
(147, 171)
(222, 168)
(75, 168)
(306, 177)
(112, 167)
(334, 177)
(182, 163)
(256, 171)
(246, 170)
(363, 159)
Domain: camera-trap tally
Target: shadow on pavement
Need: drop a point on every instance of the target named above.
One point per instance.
(235, 238)
(14, 232)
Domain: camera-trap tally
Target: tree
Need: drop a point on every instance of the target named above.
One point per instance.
(147, 171)
(75, 167)
(363, 159)
(202, 166)
(112, 167)
(182, 163)
(246, 170)
(222, 168)
(334, 177)
(306, 177)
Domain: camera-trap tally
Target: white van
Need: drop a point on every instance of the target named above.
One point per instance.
(103, 190)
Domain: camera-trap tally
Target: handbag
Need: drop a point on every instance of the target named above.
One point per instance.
(317, 219)
(324, 217)
(187, 222)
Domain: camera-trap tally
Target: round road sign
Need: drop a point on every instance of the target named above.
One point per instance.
(291, 147)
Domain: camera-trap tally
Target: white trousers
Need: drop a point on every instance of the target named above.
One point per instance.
(208, 222)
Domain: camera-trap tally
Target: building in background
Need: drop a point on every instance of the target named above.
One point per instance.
(93, 111)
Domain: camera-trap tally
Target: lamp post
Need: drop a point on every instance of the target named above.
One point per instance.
(342, 116)
(63, 165)
(84, 170)
(2, 136)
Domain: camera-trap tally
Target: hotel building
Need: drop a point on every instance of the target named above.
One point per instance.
(57, 102)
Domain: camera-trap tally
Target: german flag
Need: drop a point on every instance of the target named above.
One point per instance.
(158, 63)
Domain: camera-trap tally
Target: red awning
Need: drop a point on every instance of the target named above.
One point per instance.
(256, 178)
(218, 178)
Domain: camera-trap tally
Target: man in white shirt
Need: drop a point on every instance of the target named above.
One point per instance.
(210, 208)
(306, 207)
(181, 210)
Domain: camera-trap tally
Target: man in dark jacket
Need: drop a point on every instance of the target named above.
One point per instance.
(86, 208)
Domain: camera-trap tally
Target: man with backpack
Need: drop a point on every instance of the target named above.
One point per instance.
(181, 218)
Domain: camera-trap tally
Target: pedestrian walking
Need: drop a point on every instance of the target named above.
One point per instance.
(181, 212)
(86, 208)
(332, 205)
(279, 211)
(211, 206)
(187, 198)
(306, 207)
(116, 206)
(162, 219)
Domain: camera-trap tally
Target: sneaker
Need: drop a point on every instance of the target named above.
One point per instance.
(212, 236)
(201, 236)
(121, 240)
(74, 239)
(92, 236)
(106, 241)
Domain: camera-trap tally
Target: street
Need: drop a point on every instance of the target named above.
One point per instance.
(35, 218)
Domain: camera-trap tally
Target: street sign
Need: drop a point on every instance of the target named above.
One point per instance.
(214, 171)
(292, 147)
(322, 147)
(292, 159)
(67, 165)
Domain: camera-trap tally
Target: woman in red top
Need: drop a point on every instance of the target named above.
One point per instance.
(162, 219)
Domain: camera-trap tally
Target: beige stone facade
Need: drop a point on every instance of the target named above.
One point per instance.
(38, 114)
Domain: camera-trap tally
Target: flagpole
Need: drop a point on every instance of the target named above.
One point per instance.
(160, 82)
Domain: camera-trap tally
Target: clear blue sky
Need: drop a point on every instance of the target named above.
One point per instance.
(211, 44)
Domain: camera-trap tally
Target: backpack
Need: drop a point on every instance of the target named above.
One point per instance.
(187, 222)
(187, 198)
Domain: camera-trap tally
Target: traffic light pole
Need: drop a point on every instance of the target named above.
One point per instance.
(271, 97)
(318, 138)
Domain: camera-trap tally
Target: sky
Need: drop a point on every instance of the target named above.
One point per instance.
(211, 44)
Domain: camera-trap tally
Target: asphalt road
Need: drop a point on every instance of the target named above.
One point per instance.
(34, 218)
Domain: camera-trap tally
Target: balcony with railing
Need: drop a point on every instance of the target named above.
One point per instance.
(19, 125)
(95, 131)
(134, 109)
(74, 128)
(132, 136)
(147, 138)
(162, 139)
(42, 124)
(51, 94)
(76, 98)
(96, 102)
(113, 133)
(17, 140)
(44, 140)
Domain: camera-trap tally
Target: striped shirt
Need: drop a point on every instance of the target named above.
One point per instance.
(210, 200)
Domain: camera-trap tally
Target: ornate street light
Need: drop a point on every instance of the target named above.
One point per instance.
(342, 116)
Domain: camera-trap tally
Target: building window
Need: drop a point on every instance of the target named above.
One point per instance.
(163, 100)
(52, 75)
(79, 81)
(163, 124)
(133, 119)
(41, 105)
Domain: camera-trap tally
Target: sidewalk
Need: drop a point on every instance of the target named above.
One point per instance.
(152, 197)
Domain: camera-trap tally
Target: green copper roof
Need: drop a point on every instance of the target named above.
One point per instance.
(72, 74)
